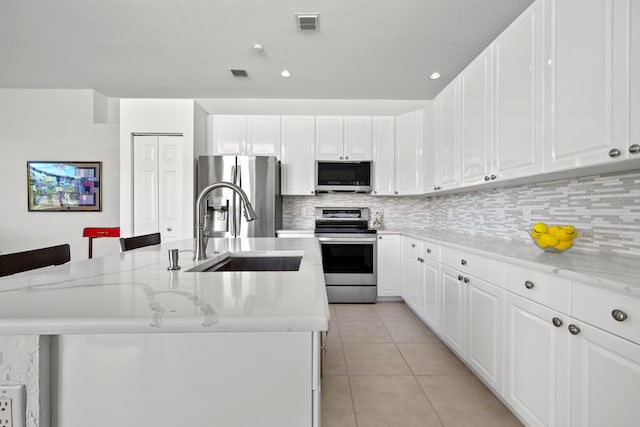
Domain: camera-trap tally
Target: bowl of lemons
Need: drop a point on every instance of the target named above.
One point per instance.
(553, 238)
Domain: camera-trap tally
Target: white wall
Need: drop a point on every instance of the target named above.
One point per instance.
(55, 125)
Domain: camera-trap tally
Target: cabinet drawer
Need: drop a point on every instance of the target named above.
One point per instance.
(484, 268)
(431, 251)
(413, 247)
(547, 289)
(596, 306)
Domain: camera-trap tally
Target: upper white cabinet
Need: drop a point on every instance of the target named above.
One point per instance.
(343, 138)
(634, 141)
(518, 110)
(298, 167)
(447, 137)
(383, 155)
(586, 82)
(245, 135)
(475, 120)
(409, 153)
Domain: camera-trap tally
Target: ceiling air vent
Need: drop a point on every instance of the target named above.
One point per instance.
(239, 73)
(307, 21)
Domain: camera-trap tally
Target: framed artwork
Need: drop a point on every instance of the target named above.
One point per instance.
(64, 186)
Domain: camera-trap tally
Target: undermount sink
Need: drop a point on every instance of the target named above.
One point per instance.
(251, 261)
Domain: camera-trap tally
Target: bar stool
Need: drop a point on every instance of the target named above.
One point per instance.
(130, 243)
(30, 260)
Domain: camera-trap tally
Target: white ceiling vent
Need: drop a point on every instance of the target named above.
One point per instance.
(308, 21)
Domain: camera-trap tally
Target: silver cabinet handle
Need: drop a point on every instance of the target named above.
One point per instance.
(486, 178)
(614, 152)
(379, 237)
(420, 259)
(169, 229)
(375, 192)
(413, 245)
(466, 280)
(347, 157)
(428, 250)
(634, 149)
(463, 261)
(395, 192)
(459, 277)
(574, 330)
(619, 315)
(313, 192)
(556, 322)
(340, 157)
(493, 177)
(529, 284)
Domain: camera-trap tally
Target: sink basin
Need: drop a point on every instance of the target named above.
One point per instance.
(251, 261)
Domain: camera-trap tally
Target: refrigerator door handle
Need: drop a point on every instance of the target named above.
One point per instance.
(238, 182)
(232, 214)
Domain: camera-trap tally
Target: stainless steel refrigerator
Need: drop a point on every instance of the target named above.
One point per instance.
(259, 177)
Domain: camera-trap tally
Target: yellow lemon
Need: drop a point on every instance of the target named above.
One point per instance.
(547, 240)
(538, 229)
(567, 233)
(563, 244)
(553, 230)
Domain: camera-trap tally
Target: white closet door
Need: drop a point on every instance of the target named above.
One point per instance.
(145, 184)
(170, 187)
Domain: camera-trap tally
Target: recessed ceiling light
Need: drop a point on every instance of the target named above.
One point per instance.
(434, 76)
(285, 73)
(258, 47)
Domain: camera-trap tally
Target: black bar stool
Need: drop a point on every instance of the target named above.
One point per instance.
(30, 260)
(130, 243)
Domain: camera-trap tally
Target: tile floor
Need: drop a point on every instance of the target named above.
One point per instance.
(384, 367)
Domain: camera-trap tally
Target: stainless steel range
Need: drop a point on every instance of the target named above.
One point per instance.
(348, 254)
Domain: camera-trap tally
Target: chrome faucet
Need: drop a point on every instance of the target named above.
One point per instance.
(249, 214)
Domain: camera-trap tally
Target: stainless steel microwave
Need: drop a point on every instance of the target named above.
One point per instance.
(343, 177)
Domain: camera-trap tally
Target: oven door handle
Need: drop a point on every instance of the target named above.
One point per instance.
(346, 240)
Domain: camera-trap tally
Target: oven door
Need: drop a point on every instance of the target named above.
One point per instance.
(349, 261)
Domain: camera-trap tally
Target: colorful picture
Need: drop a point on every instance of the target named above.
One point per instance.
(64, 186)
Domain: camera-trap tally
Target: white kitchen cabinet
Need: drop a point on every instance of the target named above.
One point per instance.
(586, 82)
(605, 378)
(447, 138)
(536, 362)
(518, 88)
(297, 164)
(431, 291)
(409, 153)
(343, 138)
(634, 92)
(389, 250)
(475, 120)
(157, 186)
(383, 155)
(453, 309)
(412, 273)
(245, 135)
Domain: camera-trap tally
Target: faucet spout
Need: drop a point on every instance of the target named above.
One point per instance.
(248, 211)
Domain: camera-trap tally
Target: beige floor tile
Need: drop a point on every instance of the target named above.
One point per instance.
(356, 312)
(385, 401)
(337, 406)
(409, 330)
(363, 331)
(394, 310)
(333, 360)
(333, 335)
(374, 359)
(462, 401)
(432, 359)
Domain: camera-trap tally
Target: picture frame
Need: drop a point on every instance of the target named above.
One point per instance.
(59, 186)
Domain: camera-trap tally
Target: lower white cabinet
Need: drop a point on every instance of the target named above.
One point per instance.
(388, 262)
(412, 273)
(452, 328)
(431, 292)
(536, 362)
(605, 378)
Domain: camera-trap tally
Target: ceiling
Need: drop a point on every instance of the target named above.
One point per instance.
(365, 49)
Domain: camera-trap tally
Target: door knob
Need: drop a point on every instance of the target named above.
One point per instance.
(614, 152)
(619, 315)
(634, 149)
(529, 284)
(574, 330)
(556, 322)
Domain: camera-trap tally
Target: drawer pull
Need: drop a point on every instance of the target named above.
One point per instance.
(413, 245)
(614, 152)
(463, 261)
(459, 277)
(428, 250)
(619, 315)
(528, 284)
(634, 149)
(574, 330)
(466, 280)
(556, 322)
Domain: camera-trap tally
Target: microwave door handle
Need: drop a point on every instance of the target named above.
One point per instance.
(346, 240)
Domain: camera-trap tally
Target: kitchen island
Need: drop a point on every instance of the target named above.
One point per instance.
(134, 344)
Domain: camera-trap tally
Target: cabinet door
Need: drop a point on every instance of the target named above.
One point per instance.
(170, 187)
(453, 320)
(475, 120)
(431, 294)
(448, 143)
(383, 150)
(145, 184)
(537, 363)
(297, 167)
(605, 379)
(634, 49)
(329, 138)
(414, 294)
(357, 138)
(263, 136)
(518, 110)
(229, 134)
(388, 261)
(587, 82)
(485, 309)
(409, 153)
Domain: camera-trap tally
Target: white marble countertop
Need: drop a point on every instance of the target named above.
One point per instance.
(133, 292)
(614, 272)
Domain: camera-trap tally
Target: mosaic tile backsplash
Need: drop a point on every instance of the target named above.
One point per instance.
(604, 208)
